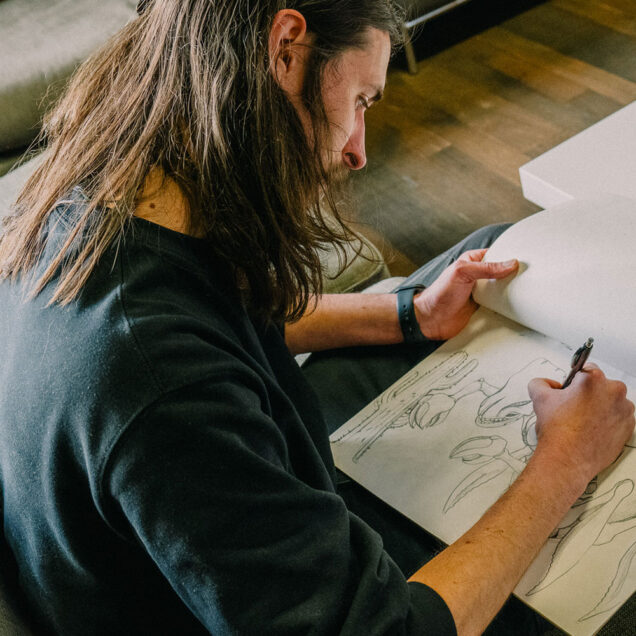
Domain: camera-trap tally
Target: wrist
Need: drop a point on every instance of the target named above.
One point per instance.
(407, 317)
(570, 476)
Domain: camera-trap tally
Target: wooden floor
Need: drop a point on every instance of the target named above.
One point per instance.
(445, 146)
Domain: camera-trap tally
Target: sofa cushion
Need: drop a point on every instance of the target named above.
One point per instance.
(45, 40)
(362, 271)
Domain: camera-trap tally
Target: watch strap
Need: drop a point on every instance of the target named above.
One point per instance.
(406, 315)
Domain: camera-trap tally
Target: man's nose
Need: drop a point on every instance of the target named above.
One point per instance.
(354, 154)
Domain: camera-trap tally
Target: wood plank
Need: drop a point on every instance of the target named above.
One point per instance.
(484, 111)
(577, 37)
(626, 6)
(570, 117)
(606, 15)
(440, 130)
(498, 157)
(596, 79)
(536, 77)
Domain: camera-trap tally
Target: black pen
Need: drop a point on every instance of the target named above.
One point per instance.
(578, 360)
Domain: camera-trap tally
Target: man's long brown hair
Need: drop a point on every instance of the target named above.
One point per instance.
(186, 88)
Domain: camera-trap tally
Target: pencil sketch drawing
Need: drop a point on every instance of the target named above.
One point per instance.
(469, 418)
(423, 400)
(501, 406)
(406, 403)
(597, 519)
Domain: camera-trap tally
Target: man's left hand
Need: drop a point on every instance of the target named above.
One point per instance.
(444, 308)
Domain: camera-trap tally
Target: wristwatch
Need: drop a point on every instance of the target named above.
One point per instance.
(406, 315)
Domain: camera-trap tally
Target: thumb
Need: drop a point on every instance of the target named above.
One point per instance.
(475, 270)
(540, 386)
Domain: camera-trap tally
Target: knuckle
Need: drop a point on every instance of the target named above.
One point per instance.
(593, 374)
(587, 378)
(461, 270)
(460, 266)
(495, 267)
(534, 388)
(617, 390)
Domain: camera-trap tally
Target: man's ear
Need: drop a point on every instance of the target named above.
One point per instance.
(288, 42)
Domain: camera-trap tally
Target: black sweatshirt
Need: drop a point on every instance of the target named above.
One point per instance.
(165, 467)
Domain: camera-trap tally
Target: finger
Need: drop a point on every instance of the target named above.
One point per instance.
(620, 388)
(472, 271)
(630, 430)
(473, 255)
(591, 370)
(539, 386)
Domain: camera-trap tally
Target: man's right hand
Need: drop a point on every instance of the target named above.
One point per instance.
(582, 428)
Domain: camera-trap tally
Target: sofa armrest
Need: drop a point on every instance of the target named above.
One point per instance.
(41, 44)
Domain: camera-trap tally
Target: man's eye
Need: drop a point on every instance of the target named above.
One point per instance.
(363, 102)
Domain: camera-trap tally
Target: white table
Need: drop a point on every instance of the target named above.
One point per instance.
(602, 158)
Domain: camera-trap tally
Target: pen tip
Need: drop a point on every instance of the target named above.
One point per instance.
(589, 342)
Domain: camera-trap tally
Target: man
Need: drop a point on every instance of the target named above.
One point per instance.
(164, 465)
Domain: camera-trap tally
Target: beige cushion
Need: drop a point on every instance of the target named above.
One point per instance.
(361, 271)
(385, 286)
(41, 43)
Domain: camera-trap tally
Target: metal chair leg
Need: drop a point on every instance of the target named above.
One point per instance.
(411, 61)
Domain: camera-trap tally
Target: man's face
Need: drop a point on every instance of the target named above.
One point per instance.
(351, 84)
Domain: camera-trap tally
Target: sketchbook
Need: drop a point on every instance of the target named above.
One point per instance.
(444, 442)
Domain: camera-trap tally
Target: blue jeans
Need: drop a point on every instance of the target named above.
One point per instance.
(346, 380)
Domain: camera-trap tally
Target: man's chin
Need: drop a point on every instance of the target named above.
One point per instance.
(339, 175)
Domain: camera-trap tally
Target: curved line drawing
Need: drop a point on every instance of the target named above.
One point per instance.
(393, 408)
(502, 406)
(611, 598)
(588, 525)
(425, 400)
(494, 459)
(511, 402)
(597, 526)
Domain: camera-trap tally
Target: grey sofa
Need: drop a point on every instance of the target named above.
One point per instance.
(41, 43)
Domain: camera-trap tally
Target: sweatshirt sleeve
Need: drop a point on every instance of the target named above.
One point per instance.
(202, 481)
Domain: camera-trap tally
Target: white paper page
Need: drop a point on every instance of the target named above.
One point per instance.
(445, 441)
(577, 276)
